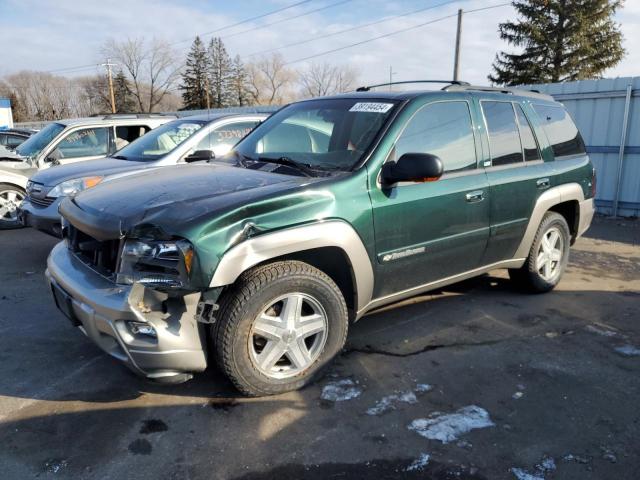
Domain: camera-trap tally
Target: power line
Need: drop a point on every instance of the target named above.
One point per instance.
(247, 20)
(351, 29)
(67, 69)
(395, 32)
(259, 27)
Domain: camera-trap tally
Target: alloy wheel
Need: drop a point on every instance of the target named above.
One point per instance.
(288, 336)
(10, 200)
(549, 259)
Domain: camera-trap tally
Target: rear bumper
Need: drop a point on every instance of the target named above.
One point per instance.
(102, 310)
(587, 210)
(46, 219)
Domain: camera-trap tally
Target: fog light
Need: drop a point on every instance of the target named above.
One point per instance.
(140, 328)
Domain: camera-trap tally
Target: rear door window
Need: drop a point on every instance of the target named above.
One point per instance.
(504, 138)
(443, 129)
(125, 134)
(562, 133)
(529, 145)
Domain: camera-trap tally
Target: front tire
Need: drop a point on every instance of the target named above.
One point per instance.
(548, 256)
(278, 327)
(11, 196)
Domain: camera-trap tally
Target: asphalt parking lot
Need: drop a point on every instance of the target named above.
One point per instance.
(478, 381)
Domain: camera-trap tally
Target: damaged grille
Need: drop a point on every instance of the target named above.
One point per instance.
(41, 202)
(102, 256)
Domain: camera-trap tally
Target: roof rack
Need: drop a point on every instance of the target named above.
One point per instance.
(111, 116)
(450, 82)
(507, 90)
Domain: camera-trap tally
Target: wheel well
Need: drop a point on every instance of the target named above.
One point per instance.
(571, 212)
(334, 262)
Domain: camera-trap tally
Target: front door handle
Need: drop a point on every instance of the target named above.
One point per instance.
(543, 183)
(476, 196)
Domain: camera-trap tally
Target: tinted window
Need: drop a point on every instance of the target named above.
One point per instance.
(443, 129)
(504, 141)
(88, 142)
(562, 133)
(223, 138)
(529, 145)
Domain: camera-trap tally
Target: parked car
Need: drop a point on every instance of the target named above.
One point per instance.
(330, 208)
(187, 139)
(11, 138)
(64, 142)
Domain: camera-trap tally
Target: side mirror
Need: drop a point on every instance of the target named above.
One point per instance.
(199, 155)
(413, 167)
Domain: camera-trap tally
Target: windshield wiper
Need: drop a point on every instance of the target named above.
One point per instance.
(289, 163)
(120, 157)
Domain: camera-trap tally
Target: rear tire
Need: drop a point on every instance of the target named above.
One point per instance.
(278, 327)
(11, 196)
(548, 256)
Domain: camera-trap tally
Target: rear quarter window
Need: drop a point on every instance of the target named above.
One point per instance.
(562, 133)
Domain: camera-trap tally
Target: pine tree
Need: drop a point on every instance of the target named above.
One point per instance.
(562, 40)
(194, 78)
(238, 81)
(125, 103)
(219, 74)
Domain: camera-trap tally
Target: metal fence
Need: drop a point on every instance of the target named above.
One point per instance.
(607, 112)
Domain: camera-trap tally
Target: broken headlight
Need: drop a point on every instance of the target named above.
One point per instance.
(156, 264)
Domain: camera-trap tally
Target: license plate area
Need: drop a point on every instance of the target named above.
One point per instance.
(64, 304)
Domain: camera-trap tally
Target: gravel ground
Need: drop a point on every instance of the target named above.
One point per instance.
(477, 381)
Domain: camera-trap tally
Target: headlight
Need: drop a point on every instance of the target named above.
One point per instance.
(71, 187)
(161, 264)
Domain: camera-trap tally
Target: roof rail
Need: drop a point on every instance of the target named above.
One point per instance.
(507, 90)
(111, 116)
(450, 82)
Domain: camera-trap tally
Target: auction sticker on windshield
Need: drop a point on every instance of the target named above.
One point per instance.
(371, 107)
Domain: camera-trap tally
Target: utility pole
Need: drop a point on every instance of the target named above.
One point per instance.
(456, 60)
(391, 74)
(108, 66)
(206, 90)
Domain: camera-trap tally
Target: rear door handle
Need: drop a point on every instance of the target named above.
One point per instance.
(543, 183)
(476, 196)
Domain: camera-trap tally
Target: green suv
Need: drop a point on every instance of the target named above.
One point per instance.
(332, 207)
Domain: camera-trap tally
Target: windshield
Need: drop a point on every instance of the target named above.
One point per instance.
(159, 141)
(31, 147)
(328, 134)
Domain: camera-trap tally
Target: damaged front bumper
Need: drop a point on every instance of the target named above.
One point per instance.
(155, 334)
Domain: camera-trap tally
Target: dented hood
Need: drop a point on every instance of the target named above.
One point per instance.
(172, 199)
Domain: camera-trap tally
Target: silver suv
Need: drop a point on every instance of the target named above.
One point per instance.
(63, 142)
(188, 139)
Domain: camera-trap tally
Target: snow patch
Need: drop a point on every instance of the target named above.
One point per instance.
(547, 465)
(448, 427)
(422, 387)
(601, 331)
(628, 350)
(340, 391)
(419, 463)
(521, 474)
(389, 402)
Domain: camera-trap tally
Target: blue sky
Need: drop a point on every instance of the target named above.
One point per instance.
(48, 35)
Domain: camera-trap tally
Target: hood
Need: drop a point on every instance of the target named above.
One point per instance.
(7, 155)
(170, 198)
(51, 177)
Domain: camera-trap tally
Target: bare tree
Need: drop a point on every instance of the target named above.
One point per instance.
(151, 67)
(270, 81)
(325, 79)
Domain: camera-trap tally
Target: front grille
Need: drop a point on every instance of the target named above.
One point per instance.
(40, 202)
(102, 256)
